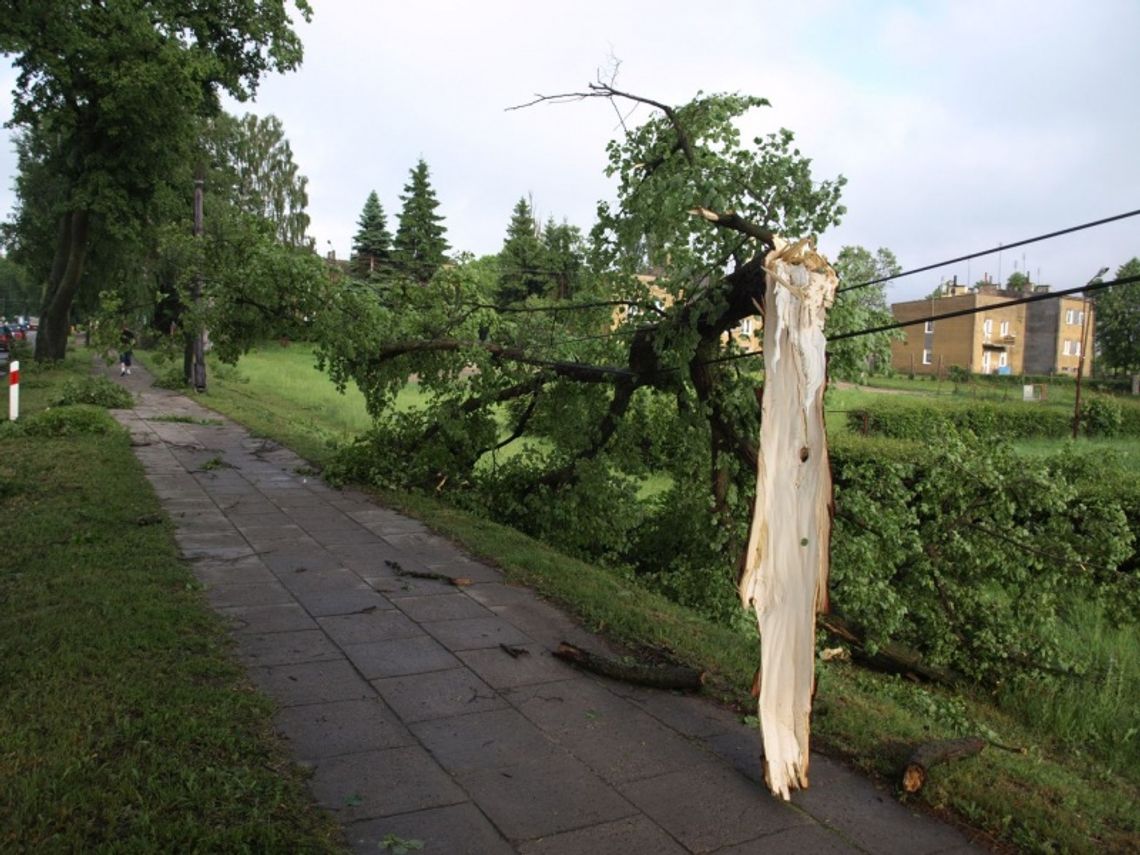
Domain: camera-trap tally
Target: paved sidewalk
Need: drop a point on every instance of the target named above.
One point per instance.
(415, 720)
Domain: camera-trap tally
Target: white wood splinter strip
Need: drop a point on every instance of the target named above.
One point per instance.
(786, 565)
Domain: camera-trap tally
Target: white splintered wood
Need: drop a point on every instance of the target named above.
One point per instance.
(785, 570)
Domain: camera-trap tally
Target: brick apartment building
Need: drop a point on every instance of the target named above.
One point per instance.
(1030, 338)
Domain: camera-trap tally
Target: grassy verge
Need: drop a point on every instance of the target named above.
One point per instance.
(1041, 797)
(124, 723)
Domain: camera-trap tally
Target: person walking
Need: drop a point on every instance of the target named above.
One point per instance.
(126, 350)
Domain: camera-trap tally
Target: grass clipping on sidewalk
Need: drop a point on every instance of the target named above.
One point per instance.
(124, 721)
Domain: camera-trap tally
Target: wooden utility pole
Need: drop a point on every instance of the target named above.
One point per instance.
(196, 351)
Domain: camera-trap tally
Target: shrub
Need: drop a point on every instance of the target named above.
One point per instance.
(98, 391)
(69, 420)
(970, 554)
(1102, 417)
(923, 419)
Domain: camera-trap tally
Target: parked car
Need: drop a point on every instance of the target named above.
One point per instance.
(7, 336)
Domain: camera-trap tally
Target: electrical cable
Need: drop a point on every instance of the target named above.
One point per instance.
(998, 248)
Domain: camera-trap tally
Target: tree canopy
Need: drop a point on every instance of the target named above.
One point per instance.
(859, 309)
(108, 95)
(522, 260)
(1118, 323)
(590, 396)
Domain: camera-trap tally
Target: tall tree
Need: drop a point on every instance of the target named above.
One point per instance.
(1118, 323)
(522, 260)
(253, 168)
(111, 91)
(372, 243)
(565, 258)
(420, 247)
(860, 309)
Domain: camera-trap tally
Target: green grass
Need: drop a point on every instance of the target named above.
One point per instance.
(1051, 797)
(125, 724)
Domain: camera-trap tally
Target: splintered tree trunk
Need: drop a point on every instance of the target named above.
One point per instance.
(785, 569)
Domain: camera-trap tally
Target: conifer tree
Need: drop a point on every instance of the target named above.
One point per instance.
(372, 244)
(420, 247)
(522, 258)
(564, 258)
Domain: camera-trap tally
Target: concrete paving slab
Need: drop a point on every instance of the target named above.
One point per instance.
(441, 607)
(529, 664)
(322, 730)
(473, 633)
(869, 817)
(380, 625)
(285, 617)
(357, 598)
(311, 683)
(437, 694)
(286, 648)
(255, 594)
(544, 797)
(244, 570)
(454, 830)
(635, 835)
(372, 784)
(690, 715)
(398, 657)
(707, 806)
(494, 739)
(607, 733)
(795, 841)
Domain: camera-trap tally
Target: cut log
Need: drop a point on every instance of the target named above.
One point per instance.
(786, 563)
(656, 676)
(930, 754)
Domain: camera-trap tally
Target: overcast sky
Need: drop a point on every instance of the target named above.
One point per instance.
(959, 125)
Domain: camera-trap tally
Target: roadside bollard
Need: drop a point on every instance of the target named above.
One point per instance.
(14, 390)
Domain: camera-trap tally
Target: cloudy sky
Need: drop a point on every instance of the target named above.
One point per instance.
(959, 125)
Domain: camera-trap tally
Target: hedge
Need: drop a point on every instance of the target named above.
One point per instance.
(921, 419)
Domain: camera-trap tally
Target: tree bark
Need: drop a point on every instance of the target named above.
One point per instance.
(67, 273)
(786, 562)
(656, 676)
(932, 753)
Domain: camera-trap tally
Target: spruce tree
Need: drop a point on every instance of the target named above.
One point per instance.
(420, 246)
(522, 260)
(564, 258)
(372, 244)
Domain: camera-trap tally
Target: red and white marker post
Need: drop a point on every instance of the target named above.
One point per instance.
(14, 390)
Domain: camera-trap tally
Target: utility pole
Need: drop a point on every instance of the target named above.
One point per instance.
(1081, 353)
(197, 350)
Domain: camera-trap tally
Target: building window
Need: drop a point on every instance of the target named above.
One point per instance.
(1005, 328)
(1076, 348)
(746, 326)
(929, 327)
(1003, 360)
(1067, 349)
(927, 357)
(986, 361)
(988, 328)
(1074, 316)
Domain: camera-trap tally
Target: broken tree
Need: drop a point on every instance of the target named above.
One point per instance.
(786, 563)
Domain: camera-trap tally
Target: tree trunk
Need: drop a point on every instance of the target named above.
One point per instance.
(66, 274)
(786, 563)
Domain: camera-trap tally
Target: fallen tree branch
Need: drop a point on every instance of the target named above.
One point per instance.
(457, 581)
(656, 676)
(891, 658)
(932, 754)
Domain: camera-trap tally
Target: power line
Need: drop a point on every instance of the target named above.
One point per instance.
(998, 248)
